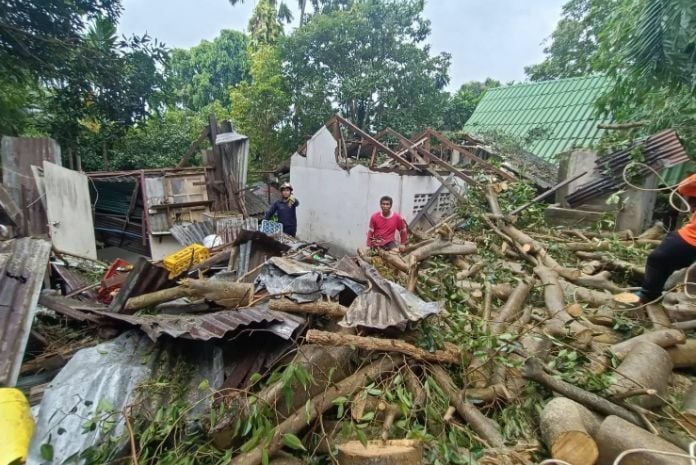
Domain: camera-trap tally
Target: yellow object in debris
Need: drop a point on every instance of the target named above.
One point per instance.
(16, 425)
(180, 261)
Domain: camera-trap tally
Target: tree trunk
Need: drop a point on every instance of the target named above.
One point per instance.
(565, 434)
(647, 366)
(658, 316)
(616, 435)
(595, 298)
(482, 425)
(325, 338)
(441, 247)
(332, 309)
(663, 338)
(470, 270)
(395, 452)
(153, 298)
(317, 406)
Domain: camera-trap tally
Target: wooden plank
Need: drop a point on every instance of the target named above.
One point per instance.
(11, 209)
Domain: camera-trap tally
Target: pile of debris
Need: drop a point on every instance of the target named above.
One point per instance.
(494, 344)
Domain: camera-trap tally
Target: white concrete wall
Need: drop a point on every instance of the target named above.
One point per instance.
(335, 204)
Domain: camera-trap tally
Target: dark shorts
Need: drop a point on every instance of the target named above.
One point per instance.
(391, 245)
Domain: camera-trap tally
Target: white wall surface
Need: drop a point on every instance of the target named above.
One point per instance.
(336, 205)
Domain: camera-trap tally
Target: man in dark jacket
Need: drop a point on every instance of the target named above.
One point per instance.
(284, 209)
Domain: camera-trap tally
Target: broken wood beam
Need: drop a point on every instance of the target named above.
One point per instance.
(449, 355)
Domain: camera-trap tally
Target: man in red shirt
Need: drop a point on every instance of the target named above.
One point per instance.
(677, 250)
(383, 227)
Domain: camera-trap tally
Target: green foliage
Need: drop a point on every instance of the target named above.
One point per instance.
(38, 37)
(462, 104)
(204, 74)
(649, 49)
(574, 42)
(259, 107)
(368, 62)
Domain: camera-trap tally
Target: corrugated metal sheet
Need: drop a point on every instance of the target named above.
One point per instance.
(561, 111)
(214, 325)
(386, 304)
(660, 151)
(23, 263)
(18, 156)
(192, 233)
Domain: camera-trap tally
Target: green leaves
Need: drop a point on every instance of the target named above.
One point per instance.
(293, 442)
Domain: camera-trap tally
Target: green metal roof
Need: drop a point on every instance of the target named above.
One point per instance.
(561, 113)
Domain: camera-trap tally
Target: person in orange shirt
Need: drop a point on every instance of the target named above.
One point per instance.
(677, 250)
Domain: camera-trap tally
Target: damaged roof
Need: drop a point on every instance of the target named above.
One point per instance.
(560, 113)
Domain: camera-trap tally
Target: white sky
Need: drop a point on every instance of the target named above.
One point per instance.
(486, 38)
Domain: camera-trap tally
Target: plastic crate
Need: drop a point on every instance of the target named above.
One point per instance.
(179, 262)
(271, 228)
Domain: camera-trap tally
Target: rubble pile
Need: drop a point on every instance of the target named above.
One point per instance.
(488, 341)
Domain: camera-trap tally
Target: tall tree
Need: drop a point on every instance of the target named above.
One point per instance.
(368, 61)
(204, 73)
(574, 42)
(259, 107)
(38, 36)
(648, 48)
(109, 85)
(462, 104)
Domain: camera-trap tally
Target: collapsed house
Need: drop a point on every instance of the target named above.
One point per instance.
(262, 346)
(360, 169)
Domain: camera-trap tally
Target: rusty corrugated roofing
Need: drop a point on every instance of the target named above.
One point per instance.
(216, 325)
(145, 277)
(662, 150)
(23, 263)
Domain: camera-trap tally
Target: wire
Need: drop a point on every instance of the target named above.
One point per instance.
(690, 456)
(673, 188)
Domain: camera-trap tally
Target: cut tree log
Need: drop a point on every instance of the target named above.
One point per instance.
(332, 309)
(681, 311)
(555, 304)
(684, 325)
(663, 338)
(565, 434)
(325, 338)
(317, 406)
(513, 306)
(683, 355)
(229, 294)
(613, 263)
(655, 232)
(596, 281)
(534, 370)
(412, 281)
(481, 424)
(394, 452)
(616, 435)
(646, 366)
(470, 270)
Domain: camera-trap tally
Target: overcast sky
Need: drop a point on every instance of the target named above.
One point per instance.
(486, 38)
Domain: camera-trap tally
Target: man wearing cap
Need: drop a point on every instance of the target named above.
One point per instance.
(677, 250)
(284, 209)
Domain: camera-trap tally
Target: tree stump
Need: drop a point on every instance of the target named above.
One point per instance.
(394, 452)
(647, 366)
